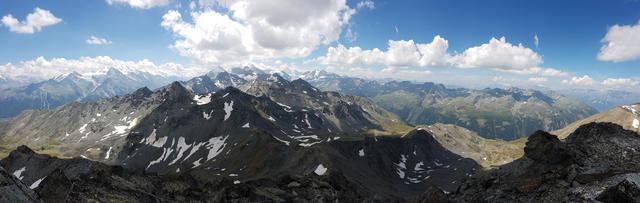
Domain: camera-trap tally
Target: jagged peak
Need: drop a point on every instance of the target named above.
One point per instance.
(142, 92)
(178, 92)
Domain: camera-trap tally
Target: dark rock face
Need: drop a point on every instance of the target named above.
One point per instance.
(599, 161)
(87, 181)
(625, 191)
(13, 190)
(545, 147)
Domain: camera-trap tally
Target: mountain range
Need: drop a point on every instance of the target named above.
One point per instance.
(253, 135)
(73, 86)
(506, 114)
(496, 113)
(277, 130)
(603, 100)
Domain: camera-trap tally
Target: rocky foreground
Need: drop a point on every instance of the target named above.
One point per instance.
(81, 180)
(597, 162)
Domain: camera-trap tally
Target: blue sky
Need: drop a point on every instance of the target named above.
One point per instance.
(570, 37)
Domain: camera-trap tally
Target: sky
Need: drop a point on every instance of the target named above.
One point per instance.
(556, 44)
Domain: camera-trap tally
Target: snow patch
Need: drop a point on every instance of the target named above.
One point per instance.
(285, 142)
(631, 108)
(285, 106)
(121, 129)
(320, 170)
(202, 99)
(236, 182)
(182, 147)
(108, 152)
(18, 173)
(215, 146)
(207, 116)
(400, 173)
(196, 163)
(194, 149)
(228, 107)
(309, 144)
(361, 152)
(164, 153)
(306, 120)
(151, 140)
(225, 95)
(83, 128)
(635, 123)
(418, 166)
(245, 125)
(37, 183)
(272, 119)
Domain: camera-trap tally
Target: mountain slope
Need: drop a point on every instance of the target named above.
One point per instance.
(90, 129)
(597, 162)
(345, 112)
(506, 114)
(245, 138)
(90, 181)
(627, 116)
(486, 152)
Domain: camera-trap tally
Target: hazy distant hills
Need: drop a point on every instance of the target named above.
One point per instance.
(493, 113)
(73, 86)
(603, 99)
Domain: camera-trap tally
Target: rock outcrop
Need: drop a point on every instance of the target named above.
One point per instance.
(597, 162)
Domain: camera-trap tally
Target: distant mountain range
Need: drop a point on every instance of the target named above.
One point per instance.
(493, 113)
(506, 114)
(73, 86)
(603, 99)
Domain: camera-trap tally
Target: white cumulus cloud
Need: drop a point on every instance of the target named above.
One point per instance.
(536, 41)
(142, 4)
(97, 41)
(257, 30)
(621, 43)
(581, 81)
(619, 82)
(497, 55)
(33, 23)
(398, 53)
(42, 69)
